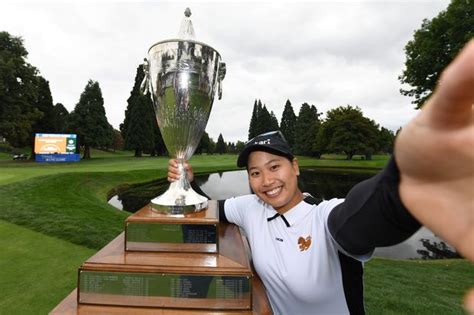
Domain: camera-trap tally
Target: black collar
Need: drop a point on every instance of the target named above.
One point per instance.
(279, 215)
(308, 199)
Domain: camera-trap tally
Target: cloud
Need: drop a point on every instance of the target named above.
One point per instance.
(324, 53)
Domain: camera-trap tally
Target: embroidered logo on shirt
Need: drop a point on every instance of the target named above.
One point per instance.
(304, 243)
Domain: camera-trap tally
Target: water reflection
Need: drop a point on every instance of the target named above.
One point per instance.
(322, 184)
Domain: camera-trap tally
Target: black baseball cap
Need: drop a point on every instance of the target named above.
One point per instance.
(272, 142)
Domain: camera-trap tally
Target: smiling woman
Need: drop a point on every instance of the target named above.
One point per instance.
(281, 223)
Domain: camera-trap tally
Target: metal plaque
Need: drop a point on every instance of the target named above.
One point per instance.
(171, 237)
(165, 290)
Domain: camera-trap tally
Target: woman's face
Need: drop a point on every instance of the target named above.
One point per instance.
(273, 178)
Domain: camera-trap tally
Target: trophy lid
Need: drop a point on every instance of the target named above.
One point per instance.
(186, 33)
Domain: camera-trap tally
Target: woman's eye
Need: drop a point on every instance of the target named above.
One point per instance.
(254, 174)
(274, 167)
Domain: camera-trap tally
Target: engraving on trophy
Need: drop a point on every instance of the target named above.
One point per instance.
(182, 76)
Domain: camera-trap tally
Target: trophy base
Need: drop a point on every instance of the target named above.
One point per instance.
(221, 281)
(179, 201)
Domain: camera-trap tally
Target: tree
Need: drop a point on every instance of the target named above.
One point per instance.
(253, 121)
(347, 131)
(385, 140)
(44, 104)
(160, 147)
(231, 148)
(264, 122)
(220, 146)
(88, 119)
(118, 143)
(205, 144)
(18, 92)
(288, 124)
(140, 129)
(239, 146)
(259, 124)
(273, 123)
(139, 135)
(307, 126)
(434, 46)
(60, 118)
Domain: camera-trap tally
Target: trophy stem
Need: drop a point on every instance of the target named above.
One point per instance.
(180, 198)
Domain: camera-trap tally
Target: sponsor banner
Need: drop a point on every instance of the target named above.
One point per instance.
(49, 143)
(54, 158)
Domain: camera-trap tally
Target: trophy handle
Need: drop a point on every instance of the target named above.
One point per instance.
(220, 77)
(145, 85)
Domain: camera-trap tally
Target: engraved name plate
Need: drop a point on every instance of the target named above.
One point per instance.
(165, 290)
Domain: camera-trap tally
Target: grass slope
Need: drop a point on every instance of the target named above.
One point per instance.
(36, 271)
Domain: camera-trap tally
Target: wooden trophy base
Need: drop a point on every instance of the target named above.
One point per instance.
(119, 281)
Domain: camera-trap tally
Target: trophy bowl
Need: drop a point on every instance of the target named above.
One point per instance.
(182, 76)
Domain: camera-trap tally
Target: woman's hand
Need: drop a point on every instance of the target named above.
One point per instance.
(174, 173)
(435, 155)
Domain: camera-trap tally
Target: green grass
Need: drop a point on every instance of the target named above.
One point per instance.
(417, 286)
(36, 271)
(56, 215)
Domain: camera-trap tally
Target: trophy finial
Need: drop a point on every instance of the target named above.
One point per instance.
(186, 31)
(187, 12)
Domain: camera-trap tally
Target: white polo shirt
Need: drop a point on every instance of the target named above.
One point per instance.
(298, 264)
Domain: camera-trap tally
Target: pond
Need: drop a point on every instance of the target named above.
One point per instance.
(322, 184)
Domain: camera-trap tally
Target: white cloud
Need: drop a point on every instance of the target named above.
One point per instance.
(324, 53)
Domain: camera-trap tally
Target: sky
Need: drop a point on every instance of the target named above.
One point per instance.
(325, 53)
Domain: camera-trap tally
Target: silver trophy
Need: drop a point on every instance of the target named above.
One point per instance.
(182, 76)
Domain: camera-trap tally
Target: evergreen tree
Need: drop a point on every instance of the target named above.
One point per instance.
(230, 147)
(140, 128)
(43, 103)
(220, 146)
(253, 121)
(307, 127)
(264, 121)
(60, 118)
(88, 119)
(18, 92)
(273, 122)
(204, 144)
(139, 135)
(434, 46)
(118, 143)
(288, 124)
(160, 147)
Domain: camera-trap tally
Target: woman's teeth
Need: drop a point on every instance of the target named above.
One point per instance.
(273, 192)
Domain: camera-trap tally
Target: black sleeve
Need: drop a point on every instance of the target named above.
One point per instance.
(372, 215)
(220, 203)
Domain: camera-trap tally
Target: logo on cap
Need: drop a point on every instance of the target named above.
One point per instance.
(266, 141)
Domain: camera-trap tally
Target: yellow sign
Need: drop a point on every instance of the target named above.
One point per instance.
(46, 143)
